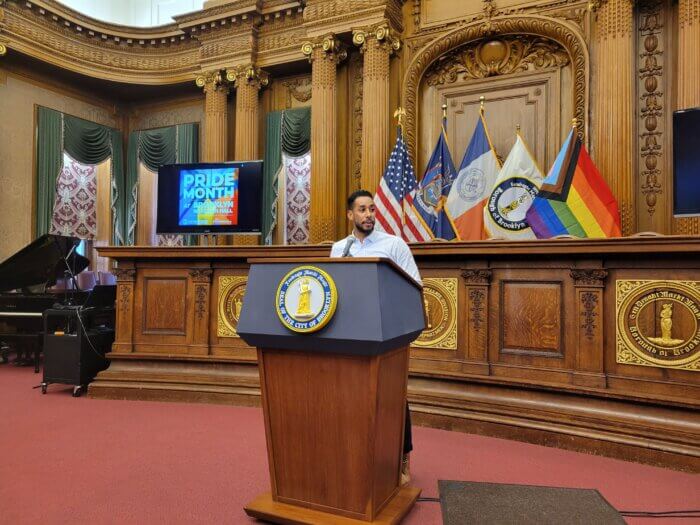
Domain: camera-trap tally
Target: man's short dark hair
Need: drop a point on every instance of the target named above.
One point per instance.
(355, 195)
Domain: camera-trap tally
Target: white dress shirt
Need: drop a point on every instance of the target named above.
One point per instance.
(380, 244)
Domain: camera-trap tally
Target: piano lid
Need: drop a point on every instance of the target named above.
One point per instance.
(41, 262)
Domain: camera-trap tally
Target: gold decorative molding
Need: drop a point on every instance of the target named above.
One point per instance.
(380, 34)
(231, 290)
(249, 74)
(496, 56)
(213, 81)
(658, 323)
(333, 49)
(564, 33)
(3, 50)
(298, 88)
(343, 12)
(440, 303)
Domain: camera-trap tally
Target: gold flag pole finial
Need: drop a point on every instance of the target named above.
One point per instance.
(482, 99)
(444, 111)
(517, 129)
(400, 114)
(574, 122)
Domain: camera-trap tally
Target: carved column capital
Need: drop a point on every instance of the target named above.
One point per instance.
(480, 276)
(379, 35)
(213, 81)
(249, 74)
(590, 277)
(125, 274)
(327, 48)
(201, 275)
(3, 49)
(595, 5)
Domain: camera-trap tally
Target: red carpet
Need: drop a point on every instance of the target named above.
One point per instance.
(68, 460)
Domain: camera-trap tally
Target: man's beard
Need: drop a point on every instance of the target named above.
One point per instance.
(361, 228)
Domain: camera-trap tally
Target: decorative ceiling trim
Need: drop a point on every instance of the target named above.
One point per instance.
(220, 36)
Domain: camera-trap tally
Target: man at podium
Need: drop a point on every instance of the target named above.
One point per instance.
(365, 241)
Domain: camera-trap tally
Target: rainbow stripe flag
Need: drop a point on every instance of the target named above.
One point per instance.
(574, 199)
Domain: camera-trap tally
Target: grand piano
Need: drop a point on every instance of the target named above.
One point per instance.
(25, 281)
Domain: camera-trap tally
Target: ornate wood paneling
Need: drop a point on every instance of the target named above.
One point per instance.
(531, 318)
(164, 306)
(561, 32)
(440, 302)
(613, 138)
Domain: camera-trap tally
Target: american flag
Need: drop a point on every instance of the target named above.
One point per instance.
(394, 197)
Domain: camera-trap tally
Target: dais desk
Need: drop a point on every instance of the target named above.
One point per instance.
(565, 342)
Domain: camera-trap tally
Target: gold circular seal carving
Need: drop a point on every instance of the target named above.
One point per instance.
(231, 293)
(439, 302)
(658, 322)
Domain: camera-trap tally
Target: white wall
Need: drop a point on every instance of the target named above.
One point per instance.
(141, 13)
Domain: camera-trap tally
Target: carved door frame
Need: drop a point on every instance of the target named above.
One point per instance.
(566, 34)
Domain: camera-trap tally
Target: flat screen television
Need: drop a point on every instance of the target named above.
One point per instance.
(223, 197)
(686, 162)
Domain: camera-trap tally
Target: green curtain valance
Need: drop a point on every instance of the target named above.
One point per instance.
(156, 147)
(288, 131)
(296, 131)
(86, 142)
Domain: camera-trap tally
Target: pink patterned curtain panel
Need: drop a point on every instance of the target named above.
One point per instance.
(75, 208)
(297, 198)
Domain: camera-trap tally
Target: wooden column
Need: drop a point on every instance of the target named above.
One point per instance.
(198, 339)
(688, 81)
(613, 105)
(247, 80)
(324, 56)
(215, 92)
(123, 341)
(377, 45)
(477, 283)
(589, 285)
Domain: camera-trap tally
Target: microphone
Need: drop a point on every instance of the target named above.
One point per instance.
(346, 250)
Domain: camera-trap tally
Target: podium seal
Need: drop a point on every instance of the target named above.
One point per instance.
(306, 299)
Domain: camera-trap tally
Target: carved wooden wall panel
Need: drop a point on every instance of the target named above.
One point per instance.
(164, 306)
(531, 318)
(531, 100)
(560, 33)
(654, 67)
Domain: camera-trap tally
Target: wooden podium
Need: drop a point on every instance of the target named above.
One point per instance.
(334, 398)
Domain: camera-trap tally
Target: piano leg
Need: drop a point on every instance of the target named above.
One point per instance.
(4, 352)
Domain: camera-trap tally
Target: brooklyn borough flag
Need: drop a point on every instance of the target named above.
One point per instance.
(512, 195)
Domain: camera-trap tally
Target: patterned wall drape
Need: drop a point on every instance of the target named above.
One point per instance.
(156, 147)
(288, 135)
(75, 208)
(297, 199)
(87, 143)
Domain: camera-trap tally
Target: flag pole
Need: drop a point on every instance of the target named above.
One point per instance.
(399, 115)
